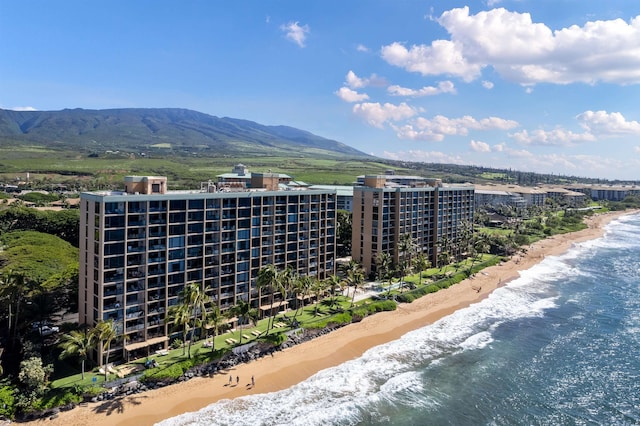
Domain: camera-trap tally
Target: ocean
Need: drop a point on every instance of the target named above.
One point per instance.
(557, 346)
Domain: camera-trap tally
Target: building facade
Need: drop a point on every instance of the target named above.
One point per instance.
(140, 247)
(427, 210)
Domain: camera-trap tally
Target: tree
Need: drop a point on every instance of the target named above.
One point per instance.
(272, 280)
(301, 285)
(444, 252)
(318, 288)
(34, 375)
(343, 232)
(406, 248)
(422, 264)
(241, 309)
(14, 287)
(348, 269)
(354, 276)
(384, 268)
(214, 321)
(333, 282)
(194, 299)
(106, 333)
(77, 343)
(180, 316)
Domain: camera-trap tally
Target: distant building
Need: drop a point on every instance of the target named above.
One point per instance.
(424, 208)
(344, 195)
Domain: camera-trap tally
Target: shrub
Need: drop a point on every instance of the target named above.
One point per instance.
(405, 298)
(341, 318)
(176, 343)
(358, 313)
(171, 372)
(59, 398)
(7, 401)
(432, 288)
(382, 305)
(276, 339)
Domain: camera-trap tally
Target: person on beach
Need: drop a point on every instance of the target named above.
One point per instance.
(237, 380)
(230, 379)
(253, 381)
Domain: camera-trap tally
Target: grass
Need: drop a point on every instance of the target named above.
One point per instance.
(183, 172)
(310, 316)
(306, 316)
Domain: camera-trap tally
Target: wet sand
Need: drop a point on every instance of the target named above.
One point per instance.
(293, 365)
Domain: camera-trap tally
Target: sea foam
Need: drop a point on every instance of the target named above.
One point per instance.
(389, 374)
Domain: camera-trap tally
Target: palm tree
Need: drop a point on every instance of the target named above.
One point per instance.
(214, 321)
(195, 299)
(180, 316)
(406, 248)
(480, 246)
(354, 277)
(106, 332)
(77, 343)
(282, 286)
(444, 252)
(318, 288)
(267, 279)
(301, 287)
(348, 269)
(241, 309)
(333, 282)
(384, 268)
(422, 263)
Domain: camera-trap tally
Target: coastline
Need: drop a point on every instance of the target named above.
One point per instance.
(295, 364)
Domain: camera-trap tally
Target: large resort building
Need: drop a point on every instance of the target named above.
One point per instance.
(141, 246)
(387, 206)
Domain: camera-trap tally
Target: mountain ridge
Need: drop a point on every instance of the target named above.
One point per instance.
(167, 130)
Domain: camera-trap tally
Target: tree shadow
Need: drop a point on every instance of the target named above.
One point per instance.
(117, 405)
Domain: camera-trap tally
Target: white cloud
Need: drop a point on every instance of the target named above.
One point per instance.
(23, 108)
(443, 87)
(376, 114)
(518, 153)
(441, 57)
(479, 146)
(487, 84)
(349, 95)
(604, 123)
(524, 51)
(436, 128)
(296, 33)
(558, 136)
(355, 82)
(637, 149)
(424, 157)
(362, 48)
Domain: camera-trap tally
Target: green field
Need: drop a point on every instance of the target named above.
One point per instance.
(183, 172)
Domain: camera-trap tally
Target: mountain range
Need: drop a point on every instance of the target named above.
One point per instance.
(164, 131)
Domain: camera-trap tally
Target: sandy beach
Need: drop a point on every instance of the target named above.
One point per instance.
(296, 364)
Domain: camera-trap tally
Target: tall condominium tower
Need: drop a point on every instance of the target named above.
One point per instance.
(141, 246)
(387, 206)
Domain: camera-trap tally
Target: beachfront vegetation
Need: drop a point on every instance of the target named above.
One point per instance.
(36, 292)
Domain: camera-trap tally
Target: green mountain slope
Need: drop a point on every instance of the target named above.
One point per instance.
(167, 130)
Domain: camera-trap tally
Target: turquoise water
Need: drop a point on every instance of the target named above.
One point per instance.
(559, 345)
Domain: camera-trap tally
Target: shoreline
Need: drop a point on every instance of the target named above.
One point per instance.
(294, 365)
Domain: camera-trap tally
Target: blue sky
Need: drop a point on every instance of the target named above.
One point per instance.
(535, 85)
